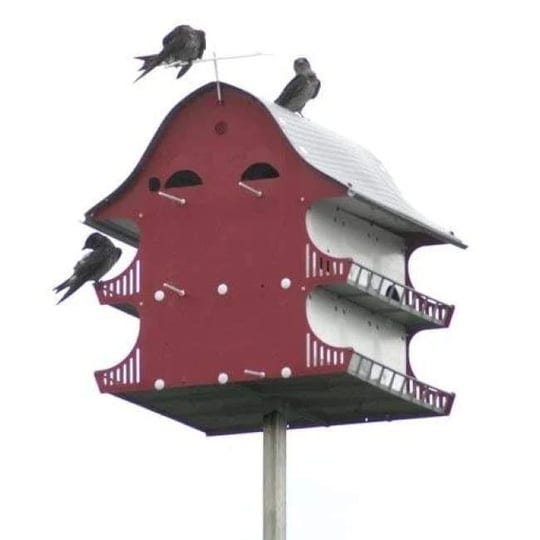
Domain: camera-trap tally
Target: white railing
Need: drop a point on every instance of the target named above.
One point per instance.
(401, 295)
(400, 384)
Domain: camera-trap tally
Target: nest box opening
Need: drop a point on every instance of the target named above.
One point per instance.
(185, 178)
(259, 171)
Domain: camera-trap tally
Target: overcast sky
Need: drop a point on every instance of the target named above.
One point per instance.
(447, 95)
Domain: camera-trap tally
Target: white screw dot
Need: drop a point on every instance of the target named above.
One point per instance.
(159, 384)
(223, 378)
(285, 283)
(141, 214)
(286, 372)
(222, 289)
(159, 296)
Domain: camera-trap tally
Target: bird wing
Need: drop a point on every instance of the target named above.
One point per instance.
(115, 256)
(90, 265)
(293, 88)
(202, 47)
(317, 89)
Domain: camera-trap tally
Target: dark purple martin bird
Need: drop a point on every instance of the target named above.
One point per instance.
(183, 44)
(301, 89)
(93, 265)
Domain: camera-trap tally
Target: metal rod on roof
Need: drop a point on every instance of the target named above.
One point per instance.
(218, 86)
(274, 476)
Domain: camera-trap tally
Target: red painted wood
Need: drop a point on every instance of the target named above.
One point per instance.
(223, 234)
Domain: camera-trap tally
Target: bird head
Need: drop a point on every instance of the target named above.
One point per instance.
(301, 66)
(96, 240)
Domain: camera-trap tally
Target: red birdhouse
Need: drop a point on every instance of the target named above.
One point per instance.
(271, 272)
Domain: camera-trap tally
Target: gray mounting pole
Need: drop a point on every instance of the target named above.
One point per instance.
(274, 477)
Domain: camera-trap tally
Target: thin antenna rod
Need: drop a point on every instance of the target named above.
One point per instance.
(218, 86)
(180, 63)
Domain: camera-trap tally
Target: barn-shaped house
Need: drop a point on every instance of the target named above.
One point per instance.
(271, 273)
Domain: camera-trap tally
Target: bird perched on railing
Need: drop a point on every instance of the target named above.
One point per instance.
(93, 265)
(301, 89)
(183, 44)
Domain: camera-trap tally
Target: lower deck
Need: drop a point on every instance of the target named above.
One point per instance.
(367, 392)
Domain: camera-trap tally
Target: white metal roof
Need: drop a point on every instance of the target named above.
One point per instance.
(353, 166)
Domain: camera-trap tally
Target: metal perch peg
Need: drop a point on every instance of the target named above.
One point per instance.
(256, 192)
(179, 292)
(260, 374)
(181, 201)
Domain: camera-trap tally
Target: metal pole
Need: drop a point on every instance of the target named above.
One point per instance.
(218, 86)
(274, 477)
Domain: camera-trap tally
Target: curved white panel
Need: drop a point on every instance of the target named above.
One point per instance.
(340, 323)
(339, 233)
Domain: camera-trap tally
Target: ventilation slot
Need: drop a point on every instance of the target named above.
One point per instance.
(126, 373)
(127, 284)
(318, 265)
(318, 354)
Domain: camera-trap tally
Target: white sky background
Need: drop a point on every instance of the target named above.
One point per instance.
(447, 95)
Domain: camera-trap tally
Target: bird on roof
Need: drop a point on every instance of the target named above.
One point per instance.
(93, 266)
(183, 44)
(301, 89)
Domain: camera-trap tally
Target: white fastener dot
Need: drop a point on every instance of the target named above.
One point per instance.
(285, 283)
(223, 378)
(159, 384)
(159, 296)
(286, 372)
(222, 289)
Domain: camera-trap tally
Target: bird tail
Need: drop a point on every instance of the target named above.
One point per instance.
(63, 285)
(149, 63)
(73, 287)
